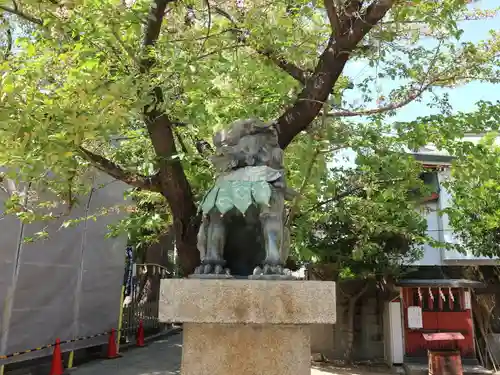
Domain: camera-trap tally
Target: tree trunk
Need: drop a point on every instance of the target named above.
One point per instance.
(172, 180)
(187, 252)
(177, 191)
(350, 322)
(186, 222)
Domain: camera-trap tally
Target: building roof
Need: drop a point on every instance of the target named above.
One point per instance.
(448, 283)
(432, 157)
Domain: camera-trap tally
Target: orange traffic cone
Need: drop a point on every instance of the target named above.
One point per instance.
(112, 349)
(140, 335)
(57, 367)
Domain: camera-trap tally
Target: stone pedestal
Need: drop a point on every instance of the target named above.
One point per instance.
(246, 327)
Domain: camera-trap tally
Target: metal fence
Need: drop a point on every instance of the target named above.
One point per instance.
(142, 305)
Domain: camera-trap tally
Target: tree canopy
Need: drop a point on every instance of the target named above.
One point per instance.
(136, 88)
(475, 212)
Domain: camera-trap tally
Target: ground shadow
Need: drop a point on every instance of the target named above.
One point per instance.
(161, 357)
(328, 368)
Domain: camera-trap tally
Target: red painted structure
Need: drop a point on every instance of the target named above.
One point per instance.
(447, 321)
(445, 363)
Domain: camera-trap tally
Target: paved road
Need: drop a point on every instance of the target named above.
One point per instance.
(161, 357)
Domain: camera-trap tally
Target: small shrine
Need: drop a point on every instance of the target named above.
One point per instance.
(437, 321)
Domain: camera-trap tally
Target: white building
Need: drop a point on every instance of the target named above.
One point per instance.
(438, 169)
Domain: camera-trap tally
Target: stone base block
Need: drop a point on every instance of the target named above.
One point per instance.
(247, 301)
(234, 349)
(246, 327)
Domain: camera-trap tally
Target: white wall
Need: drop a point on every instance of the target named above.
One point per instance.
(439, 228)
(431, 256)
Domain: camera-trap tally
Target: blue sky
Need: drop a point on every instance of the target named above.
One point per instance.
(462, 98)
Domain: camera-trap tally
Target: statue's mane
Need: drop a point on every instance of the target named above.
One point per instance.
(247, 143)
(243, 128)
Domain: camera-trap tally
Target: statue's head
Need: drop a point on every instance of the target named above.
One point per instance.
(239, 129)
(248, 142)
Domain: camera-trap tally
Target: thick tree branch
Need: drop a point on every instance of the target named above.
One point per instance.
(158, 124)
(350, 11)
(155, 20)
(329, 68)
(22, 15)
(333, 17)
(293, 70)
(374, 13)
(8, 36)
(115, 171)
(10, 43)
(173, 180)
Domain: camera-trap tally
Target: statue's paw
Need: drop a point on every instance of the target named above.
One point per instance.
(276, 270)
(211, 271)
(271, 272)
(207, 269)
(270, 269)
(257, 271)
(267, 269)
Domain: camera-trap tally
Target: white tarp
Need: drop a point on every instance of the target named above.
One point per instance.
(66, 286)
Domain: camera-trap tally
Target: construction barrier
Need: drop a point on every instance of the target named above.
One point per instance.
(51, 345)
(111, 334)
(67, 285)
(138, 319)
(57, 366)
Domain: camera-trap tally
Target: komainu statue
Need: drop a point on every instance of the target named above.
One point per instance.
(242, 231)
